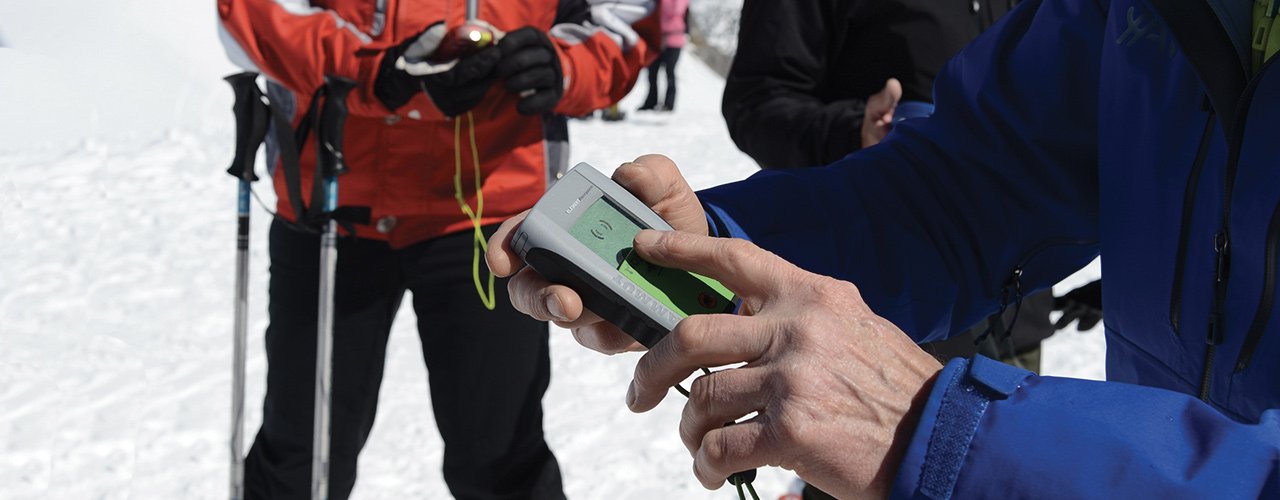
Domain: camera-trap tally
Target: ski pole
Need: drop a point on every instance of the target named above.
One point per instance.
(329, 164)
(251, 128)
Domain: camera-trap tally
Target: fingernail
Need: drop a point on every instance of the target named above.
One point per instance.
(631, 395)
(647, 237)
(555, 308)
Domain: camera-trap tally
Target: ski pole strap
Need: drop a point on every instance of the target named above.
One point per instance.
(251, 123)
(330, 161)
(333, 119)
(312, 218)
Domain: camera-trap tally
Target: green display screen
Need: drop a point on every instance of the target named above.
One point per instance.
(608, 232)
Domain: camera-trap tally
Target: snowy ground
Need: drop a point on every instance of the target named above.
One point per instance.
(116, 251)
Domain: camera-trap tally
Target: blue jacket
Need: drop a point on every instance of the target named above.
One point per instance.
(1127, 128)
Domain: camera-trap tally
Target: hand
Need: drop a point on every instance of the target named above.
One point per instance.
(877, 118)
(454, 86)
(531, 70)
(655, 180)
(1084, 304)
(838, 390)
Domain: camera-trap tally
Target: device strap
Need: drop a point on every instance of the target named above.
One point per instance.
(479, 243)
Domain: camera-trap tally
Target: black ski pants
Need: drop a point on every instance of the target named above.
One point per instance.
(489, 369)
(666, 59)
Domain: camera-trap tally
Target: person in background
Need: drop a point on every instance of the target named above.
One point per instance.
(675, 33)
(406, 139)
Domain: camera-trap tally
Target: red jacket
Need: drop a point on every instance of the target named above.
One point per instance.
(402, 163)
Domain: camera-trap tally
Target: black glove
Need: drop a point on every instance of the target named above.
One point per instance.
(531, 70)
(1084, 304)
(454, 86)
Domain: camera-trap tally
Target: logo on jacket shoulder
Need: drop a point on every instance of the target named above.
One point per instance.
(1146, 27)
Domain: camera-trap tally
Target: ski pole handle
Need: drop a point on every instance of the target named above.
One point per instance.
(251, 123)
(333, 118)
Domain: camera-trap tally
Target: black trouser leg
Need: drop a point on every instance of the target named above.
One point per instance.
(651, 100)
(489, 370)
(669, 58)
(367, 294)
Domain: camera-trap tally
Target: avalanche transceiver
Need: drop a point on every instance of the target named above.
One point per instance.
(580, 234)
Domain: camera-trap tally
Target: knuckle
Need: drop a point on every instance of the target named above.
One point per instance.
(736, 250)
(688, 337)
(715, 451)
(838, 295)
(702, 395)
(518, 291)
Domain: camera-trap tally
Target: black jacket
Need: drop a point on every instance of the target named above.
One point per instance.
(795, 93)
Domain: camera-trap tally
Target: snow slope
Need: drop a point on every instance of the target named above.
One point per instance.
(116, 252)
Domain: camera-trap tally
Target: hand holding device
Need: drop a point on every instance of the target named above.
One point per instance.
(580, 234)
(656, 182)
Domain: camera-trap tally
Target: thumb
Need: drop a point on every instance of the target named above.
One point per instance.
(656, 181)
(893, 90)
(880, 105)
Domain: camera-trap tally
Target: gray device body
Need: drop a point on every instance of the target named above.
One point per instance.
(544, 241)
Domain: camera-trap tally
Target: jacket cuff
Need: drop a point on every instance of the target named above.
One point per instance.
(949, 421)
(720, 224)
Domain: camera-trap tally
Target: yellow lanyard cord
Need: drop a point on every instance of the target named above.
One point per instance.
(479, 244)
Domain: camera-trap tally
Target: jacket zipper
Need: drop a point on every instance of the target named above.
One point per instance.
(1014, 281)
(1222, 239)
(1267, 302)
(1221, 249)
(1188, 206)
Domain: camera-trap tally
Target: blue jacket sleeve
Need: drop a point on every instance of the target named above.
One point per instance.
(932, 223)
(990, 430)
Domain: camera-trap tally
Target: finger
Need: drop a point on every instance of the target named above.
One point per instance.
(533, 295)
(513, 41)
(735, 448)
(656, 181)
(545, 301)
(537, 103)
(1069, 314)
(531, 78)
(527, 57)
(1088, 321)
(501, 258)
(697, 341)
(603, 337)
(723, 396)
(748, 270)
(477, 65)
